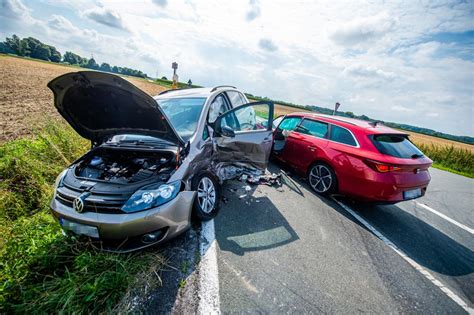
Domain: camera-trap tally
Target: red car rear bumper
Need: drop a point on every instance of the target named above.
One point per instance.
(387, 187)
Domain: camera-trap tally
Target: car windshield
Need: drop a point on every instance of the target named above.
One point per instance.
(183, 114)
(396, 145)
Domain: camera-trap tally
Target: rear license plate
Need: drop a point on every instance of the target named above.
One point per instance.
(79, 228)
(411, 194)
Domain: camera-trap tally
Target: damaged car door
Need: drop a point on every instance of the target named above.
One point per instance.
(243, 135)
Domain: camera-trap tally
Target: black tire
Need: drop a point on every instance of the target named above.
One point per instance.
(202, 210)
(322, 179)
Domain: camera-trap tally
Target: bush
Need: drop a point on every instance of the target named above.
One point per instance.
(450, 158)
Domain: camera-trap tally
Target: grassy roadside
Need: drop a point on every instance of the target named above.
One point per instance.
(40, 270)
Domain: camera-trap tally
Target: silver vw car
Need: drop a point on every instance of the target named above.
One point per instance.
(155, 163)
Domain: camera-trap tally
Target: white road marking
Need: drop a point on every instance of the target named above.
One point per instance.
(208, 287)
(460, 225)
(453, 296)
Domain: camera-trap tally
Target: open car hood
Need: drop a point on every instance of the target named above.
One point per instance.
(100, 105)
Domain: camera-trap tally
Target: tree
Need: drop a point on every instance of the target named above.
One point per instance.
(72, 58)
(164, 78)
(350, 114)
(91, 64)
(105, 67)
(13, 44)
(5, 49)
(115, 69)
(35, 48)
(55, 55)
(41, 52)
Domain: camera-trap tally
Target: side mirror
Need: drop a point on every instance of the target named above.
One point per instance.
(226, 131)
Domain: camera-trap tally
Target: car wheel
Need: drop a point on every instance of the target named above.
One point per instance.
(206, 203)
(322, 179)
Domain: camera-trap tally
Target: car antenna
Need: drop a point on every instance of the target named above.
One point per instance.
(375, 123)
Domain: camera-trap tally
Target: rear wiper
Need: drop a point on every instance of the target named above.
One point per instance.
(415, 156)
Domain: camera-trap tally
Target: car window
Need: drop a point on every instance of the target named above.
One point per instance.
(183, 114)
(235, 98)
(289, 123)
(248, 117)
(396, 145)
(342, 135)
(313, 128)
(217, 108)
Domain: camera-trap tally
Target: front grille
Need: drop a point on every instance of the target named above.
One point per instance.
(100, 203)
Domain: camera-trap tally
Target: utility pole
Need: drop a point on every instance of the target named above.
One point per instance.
(174, 65)
(336, 107)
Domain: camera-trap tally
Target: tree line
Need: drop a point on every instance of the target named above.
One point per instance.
(34, 48)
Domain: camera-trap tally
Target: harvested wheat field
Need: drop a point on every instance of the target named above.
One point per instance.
(24, 96)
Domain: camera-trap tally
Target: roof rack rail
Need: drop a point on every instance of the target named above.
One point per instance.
(375, 123)
(221, 86)
(166, 91)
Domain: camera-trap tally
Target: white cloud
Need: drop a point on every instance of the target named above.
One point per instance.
(106, 17)
(254, 10)
(267, 44)
(368, 71)
(160, 3)
(400, 108)
(361, 30)
(13, 9)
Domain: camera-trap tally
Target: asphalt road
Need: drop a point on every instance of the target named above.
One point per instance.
(291, 251)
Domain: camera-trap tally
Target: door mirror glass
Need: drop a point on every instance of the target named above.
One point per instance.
(226, 131)
(250, 117)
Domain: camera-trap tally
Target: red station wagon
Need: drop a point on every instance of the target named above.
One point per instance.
(363, 160)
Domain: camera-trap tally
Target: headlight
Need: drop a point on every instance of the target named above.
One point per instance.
(151, 196)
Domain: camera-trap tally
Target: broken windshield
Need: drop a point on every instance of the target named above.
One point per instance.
(183, 114)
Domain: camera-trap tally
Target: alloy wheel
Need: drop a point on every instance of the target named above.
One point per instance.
(206, 195)
(320, 178)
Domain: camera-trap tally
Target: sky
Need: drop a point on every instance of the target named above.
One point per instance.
(402, 61)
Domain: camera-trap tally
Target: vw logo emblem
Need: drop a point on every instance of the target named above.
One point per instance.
(78, 204)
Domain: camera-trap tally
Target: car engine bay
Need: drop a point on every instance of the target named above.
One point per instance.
(125, 166)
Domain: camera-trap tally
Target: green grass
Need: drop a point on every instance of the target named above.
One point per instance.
(451, 159)
(41, 271)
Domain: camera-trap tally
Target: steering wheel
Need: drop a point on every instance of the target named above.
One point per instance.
(246, 126)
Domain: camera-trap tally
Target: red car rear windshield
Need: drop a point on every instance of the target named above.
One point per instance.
(396, 145)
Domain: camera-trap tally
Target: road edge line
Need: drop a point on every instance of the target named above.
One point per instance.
(441, 215)
(453, 296)
(208, 275)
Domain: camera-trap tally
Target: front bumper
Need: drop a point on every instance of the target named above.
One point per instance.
(172, 218)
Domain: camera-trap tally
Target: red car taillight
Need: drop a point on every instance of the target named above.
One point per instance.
(382, 167)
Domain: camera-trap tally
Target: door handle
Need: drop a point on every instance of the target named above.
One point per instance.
(311, 148)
